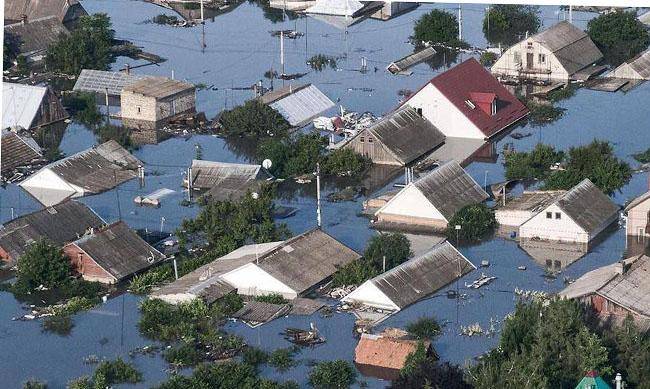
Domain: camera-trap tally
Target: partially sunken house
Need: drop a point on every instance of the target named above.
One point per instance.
(467, 101)
(102, 83)
(517, 211)
(428, 203)
(58, 224)
(220, 181)
(399, 139)
(383, 356)
(298, 104)
(153, 101)
(293, 268)
(576, 217)
(111, 254)
(413, 280)
(91, 171)
(32, 38)
(559, 53)
(18, 150)
(28, 106)
(66, 12)
(638, 68)
(638, 216)
(616, 291)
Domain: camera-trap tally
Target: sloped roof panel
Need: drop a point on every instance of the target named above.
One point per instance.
(20, 104)
(302, 105)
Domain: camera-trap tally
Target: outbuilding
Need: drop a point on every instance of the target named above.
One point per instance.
(467, 101)
(32, 37)
(638, 216)
(383, 356)
(18, 150)
(637, 68)
(221, 181)
(298, 104)
(517, 211)
(430, 202)
(413, 280)
(29, 107)
(577, 216)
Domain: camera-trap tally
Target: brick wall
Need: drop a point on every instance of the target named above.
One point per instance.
(86, 266)
(137, 106)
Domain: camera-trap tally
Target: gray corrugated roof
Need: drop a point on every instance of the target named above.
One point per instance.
(35, 9)
(411, 60)
(227, 181)
(59, 224)
(302, 105)
(449, 188)
(640, 64)
(423, 275)
(158, 87)
(534, 201)
(407, 135)
(119, 250)
(306, 260)
(256, 312)
(17, 150)
(20, 104)
(637, 201)
(572, 46)
(36, 35)
(587, 206)
(97, 81)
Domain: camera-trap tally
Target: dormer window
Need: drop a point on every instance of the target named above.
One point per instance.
(485, 101)
(494, 107)
(470, 104)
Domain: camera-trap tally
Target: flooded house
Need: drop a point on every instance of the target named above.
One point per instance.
(32, 38)
(18, 150)
(298, 104)
(517, 211)
(293, 268)
(638, 216)
(577, 217)
(105, 83)
(59, 224)
(428, 203)
(616, 291)
(637, 68)
(467, 101)
(154, 101)
(66, 12)
(398, 139)
(111, 254)
(88, 172)
(221, 181)
(402, 65)
(383, 356)
(28, 107)
(412, 280)
(560, 53)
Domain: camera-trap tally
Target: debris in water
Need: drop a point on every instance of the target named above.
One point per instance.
(471, 330)
(485, 263)
(481, 281)
(304, 337)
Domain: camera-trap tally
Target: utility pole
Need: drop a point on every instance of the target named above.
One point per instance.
(108, 112)
(457, 227)
(571, 14)
(189, 183)
(282, 51)
(162, 223)
(318, 210)
(460, 22)
(202, 19)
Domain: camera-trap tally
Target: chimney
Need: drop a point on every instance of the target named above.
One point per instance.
(128, 68)
(619, 381)
(619, 267)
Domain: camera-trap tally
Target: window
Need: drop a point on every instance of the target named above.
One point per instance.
(362, 139)
(541, 58)
(494, 107)
(517, 56)
(529, 45)
(549, 215)
(558, 215)
(369, 140)
(419, 111)
(139, 109)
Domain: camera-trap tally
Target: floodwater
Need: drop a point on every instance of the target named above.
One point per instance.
(239, 49)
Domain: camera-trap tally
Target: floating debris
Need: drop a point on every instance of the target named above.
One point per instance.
(471, 330)
(485, 263)
(522, 267)
(481, 281)
(305, 178)
(91, 360)
(289, 34)
(304, 337)
(519, 135)
(350, 193)
(340, 292)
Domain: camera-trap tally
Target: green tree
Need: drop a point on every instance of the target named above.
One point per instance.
(344, 162)
(424, 328)
(355, 273)
(395, 247)
(619, 35)
(42, 264)
(87, 47)
(120, 134)
(22, 67)
(535, 164)
(83, 107)
(336, 374)
(437, 27)
(488, 58)
(429, 373)
(506, 24)
(254, 119)
(34, 384)
(476, 221)
(414, 359)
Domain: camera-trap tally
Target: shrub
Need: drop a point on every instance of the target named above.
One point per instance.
(83, 106)
(332, 375)
(487, 58)
(184, 354)
(344, 162)
(437, 27)
(273, 298)
(282, 359)
(142, 283)
(254, 356)
(476, 221)
(254, 119)
(424, 328)
(34, 384)
(42, 264)
(535, 164)
(60, 325)
(506, 24)
(117, 372)
(319, 62)
(619, 35)
(643, 157)
(120, 134)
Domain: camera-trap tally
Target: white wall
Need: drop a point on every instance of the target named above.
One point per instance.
(507, 65)
(511, 217)
(250, 280)
(563, 229)
(411, 202)
(368, 294)
(637, 219)
(443, 114)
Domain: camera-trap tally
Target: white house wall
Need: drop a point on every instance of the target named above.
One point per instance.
(562, 230)
(637, 219)
(250, 280)
(410, 202)
(509, 65)
(626, 71)
(511, 217)
(368, 294)
(443, 114)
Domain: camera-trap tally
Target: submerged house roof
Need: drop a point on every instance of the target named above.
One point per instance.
(61, 223)
(571, 46)
(118, 250)
(158, 87)
(20, 104)
(298, 104)
(17, 150)
(637, 201)
(349, 8)
(255, 313)
(410, 60)
(63, 10)
(470, 82)
(98, 81)
(638, 66)
(532, 201)
(414, 279)
(406, 135)
(375, 353)
(34, 37)
(586, 205)
(227, 181)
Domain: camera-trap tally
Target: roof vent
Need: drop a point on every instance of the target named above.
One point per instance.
(287, 249)
(470, 104)
(52, 210)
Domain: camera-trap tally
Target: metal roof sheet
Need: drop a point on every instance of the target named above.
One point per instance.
(302, 105)
(64, 10)
(413, 59)
(97, 81)
(640, 64)
(258, 312)
(572, 46)
(20, 104)
(36, 35)
(533, 201)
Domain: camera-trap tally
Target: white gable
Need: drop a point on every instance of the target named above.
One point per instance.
(50, 189)
(368, 294)
(20, 104)
(250, 280)
(411, 202)
(553, 228)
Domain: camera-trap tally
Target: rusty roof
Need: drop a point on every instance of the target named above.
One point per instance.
(383, 351)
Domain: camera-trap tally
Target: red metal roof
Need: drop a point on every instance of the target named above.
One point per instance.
(470, 78)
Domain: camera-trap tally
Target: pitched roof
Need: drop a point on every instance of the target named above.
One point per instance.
(36, 35)
(449, 188)
(36, 9)
(336, 7)
(306, 260)
(571, 46)
(458, 83)
(533, 201)
(96, 169)
(59, 224)
(406, 135)
(640, 64)
(20, 104)
(17, 150)
(421, 276)
(158, 87)
(592, 381)
(384, 351)
(98, 81)
(637, 201)
(587, 205)
(119, 250)
(226, 177)
(298, 105)
(412, 59)
(258, 312)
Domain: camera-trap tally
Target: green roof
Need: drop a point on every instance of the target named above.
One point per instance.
(593, 381)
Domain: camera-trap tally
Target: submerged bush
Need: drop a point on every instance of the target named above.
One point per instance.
(336, 374)
(476, 221)
(424, 328)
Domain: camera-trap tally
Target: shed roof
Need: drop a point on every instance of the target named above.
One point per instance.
(592, 381)
(97, 81)
(533, 201)
(36, 35)
(20, 104)
(587, 205)
(226, 180)
(458, 83)
(17, 150)
(118, 250)
(258, 312)
(36, 9)
(571, 46)
(304, 261)
(59, 224)
(449, 188)
(421, 276)
(298, 105)
(384, 351)
(640, 64)
(158, 87)
(407, 135)
(412, 59)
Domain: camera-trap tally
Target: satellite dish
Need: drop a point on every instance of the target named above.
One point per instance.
(266, 164)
